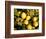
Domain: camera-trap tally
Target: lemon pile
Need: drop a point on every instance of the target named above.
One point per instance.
(23, 20)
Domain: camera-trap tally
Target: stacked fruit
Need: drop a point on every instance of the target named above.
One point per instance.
(26, 19)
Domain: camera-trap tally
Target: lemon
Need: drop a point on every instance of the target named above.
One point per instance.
(31, 13)
(19, 12)
(28, 18)
(29, 27)
(35, 19)
(18, 19)
(35, 24)
(26, 22)
(23, 15)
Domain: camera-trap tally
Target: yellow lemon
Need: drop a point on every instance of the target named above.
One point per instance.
(23, 15)
(35, 24)
(26, 22)
(29, 27)
(35, 19)
(28, 18)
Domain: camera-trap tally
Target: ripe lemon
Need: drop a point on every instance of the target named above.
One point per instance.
(35, 24)
(23, 15)
(26, 22)
(28, 18)
(29, 27)
(35, 19)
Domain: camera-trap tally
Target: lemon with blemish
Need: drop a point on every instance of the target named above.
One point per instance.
(28, 18)
(35, 19)
(26, 22)
(23, 15)
(29, 27)
(35, 24)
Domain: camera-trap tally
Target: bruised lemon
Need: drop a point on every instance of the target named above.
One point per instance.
(28, 18)
(35, 24)
(23, 15)
(26, 22)
(35, 19)
(29, 27)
